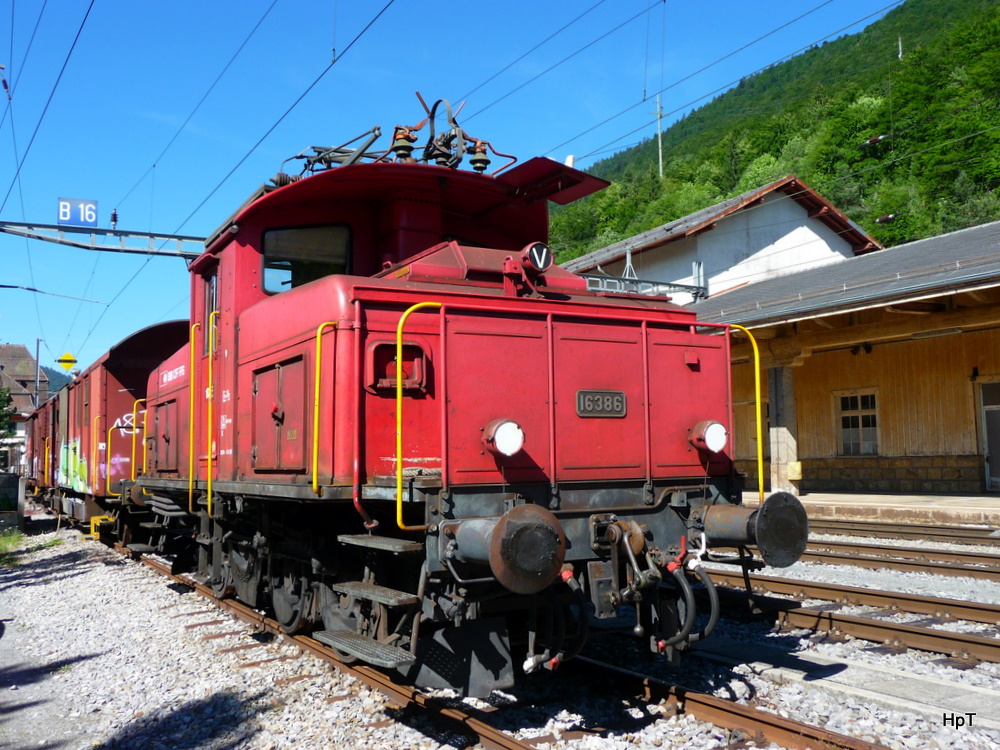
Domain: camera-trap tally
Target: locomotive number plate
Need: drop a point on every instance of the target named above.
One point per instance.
(600, 404)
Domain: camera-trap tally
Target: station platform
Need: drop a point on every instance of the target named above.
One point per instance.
(957, 510)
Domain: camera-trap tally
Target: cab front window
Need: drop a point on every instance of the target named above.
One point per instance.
(298, 255)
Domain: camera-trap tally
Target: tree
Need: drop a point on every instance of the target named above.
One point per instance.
(6, 423)
(6, 413)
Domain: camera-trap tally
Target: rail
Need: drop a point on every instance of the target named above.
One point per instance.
(191, 387)
(399, 412)
(751, 721)
(316, 395)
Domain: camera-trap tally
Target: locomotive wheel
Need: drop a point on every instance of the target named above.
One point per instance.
(290, 596)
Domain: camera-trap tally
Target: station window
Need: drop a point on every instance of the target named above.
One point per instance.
(857, 413)
(296, 256)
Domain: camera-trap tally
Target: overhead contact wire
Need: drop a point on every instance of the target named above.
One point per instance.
(545, 41)
(565, 59)
(241, 161)
(200, 101)
(55, 86)
(721, 88)
(286, 113)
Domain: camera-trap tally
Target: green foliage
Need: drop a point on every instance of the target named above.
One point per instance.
(6, 413)
(813, 116)
(57, 379)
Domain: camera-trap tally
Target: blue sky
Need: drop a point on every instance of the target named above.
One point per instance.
(138, 71)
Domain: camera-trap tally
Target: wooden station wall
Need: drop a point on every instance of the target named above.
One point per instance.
(929, 423)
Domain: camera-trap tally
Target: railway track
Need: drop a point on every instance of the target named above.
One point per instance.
(953, 534)
(404, 696)
(905, 559)
(741, 721)
(949, 643)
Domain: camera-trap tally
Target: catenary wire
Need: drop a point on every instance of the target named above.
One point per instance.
(45, 109)
(27, 247)
(166, 148)
(565, 59)
(200, 102)
(749, 209)
(717, 90)
(24, 60)
(546, 40)
(240, 163)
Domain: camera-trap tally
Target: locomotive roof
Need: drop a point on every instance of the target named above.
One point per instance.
(146, 346)
(468, 193)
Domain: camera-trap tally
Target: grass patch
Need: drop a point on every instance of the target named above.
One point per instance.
(11, 542)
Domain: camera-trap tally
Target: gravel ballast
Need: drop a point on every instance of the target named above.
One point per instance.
(98, 651)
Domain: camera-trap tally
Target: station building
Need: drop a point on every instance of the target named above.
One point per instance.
(17, 375)
(880, 368)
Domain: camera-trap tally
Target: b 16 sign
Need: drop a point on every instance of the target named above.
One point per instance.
(79, 213)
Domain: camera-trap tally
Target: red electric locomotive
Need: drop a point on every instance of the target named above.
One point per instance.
(398, 424)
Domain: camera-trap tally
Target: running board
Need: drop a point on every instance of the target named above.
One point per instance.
(375, 593)
(373, 652)
(383, 543)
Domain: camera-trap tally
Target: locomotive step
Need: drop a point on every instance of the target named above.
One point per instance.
(373, 652)
(141, 548)
(376, 593)
(151, 525)
(383, 543)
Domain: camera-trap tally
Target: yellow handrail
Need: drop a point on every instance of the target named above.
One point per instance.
(210, 395)
(399, 413)
(94, 447)
(192, 385)
(45, 445)
(760, 428)
(315, 435)
(107, 466)
(145, 447)
(135, 429)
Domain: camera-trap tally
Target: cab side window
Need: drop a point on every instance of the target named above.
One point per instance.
(296, 256)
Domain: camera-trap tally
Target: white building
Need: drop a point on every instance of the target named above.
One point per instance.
(784, 227)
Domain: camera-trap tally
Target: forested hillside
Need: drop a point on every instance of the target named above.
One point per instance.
(937, 168)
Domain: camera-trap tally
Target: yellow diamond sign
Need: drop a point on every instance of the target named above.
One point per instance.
(67, 361)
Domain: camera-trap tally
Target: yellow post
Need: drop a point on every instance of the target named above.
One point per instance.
(94, 447)
(760, 422)
(107, 465)
(193, 383)
(210, 396)
(315, 435)
(145, 446)
(96, 521)
(135, 429)
(399, 413)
